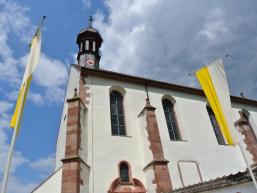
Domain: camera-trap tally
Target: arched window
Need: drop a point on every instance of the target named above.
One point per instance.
(117, 113)
(216, 127)
(87, 45)
(93, 46)
(171, 120)
(124, 172)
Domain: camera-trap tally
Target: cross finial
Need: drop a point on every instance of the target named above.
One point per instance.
(90, 23)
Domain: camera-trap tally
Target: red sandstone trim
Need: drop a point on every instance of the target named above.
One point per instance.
(71, 180)
(250, 139)
(160, 168)
(136, 187)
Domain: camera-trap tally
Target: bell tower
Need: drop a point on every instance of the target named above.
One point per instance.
(89, 41)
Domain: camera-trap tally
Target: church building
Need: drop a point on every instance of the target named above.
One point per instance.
(126, 134)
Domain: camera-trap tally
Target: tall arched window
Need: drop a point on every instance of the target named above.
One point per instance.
(171, 120)
(117, 113)
(124, 172)
(216, 127)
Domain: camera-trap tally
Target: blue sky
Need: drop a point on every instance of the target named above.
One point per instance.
(159, 39)
(35, 147)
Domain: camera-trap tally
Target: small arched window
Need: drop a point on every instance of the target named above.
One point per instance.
(216, 127)
(171, 120)
(93, 46)
(124, 172)
(87, 45)
(117, 113)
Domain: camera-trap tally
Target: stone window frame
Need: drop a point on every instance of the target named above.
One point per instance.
(173, 102)
(122, 91)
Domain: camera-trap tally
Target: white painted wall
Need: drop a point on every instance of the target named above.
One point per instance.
(189, 172)
(73, 83)
(106, 151)
(52, 184)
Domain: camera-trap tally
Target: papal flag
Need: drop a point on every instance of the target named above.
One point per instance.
(35, 48)
(214, 84)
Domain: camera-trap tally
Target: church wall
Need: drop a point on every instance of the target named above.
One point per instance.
(73, 83)
(198, 143)
(198, 148)
(108, 150)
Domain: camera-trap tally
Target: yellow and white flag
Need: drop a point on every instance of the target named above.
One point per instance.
(31, 65)
(214, 84)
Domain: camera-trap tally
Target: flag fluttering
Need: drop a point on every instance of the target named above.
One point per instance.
(213, 81)
(31, 65)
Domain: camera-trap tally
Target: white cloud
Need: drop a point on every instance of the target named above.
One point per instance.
(45, 165)
(86, 3)
(17, 185)
(166, 40)
(4, 116)
(51, 75)
(36, 98)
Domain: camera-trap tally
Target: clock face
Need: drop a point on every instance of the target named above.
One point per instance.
(90, 62)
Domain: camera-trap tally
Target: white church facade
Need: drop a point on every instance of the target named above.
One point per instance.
(126, 134)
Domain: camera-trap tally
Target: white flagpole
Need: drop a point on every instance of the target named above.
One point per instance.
(9, 159)
(11, 148)
(14, 136)
(248, 165)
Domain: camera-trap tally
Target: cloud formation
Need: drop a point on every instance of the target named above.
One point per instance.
(51, 74)
(51, 79)
(166, 40)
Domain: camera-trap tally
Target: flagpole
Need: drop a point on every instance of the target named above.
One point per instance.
(9, 159)
(248, 165)
(14, 137)
(10, 153)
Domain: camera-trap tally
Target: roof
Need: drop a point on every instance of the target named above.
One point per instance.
(218, 183)
(155, 83)
(89, 29)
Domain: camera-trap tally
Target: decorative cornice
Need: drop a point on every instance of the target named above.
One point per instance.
(156, 162)
(77, 98)
(74, 158)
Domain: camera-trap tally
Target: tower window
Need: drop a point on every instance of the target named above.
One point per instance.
(216, 127)
(117, 113)
(81, 46)
(93, 46)
(171, 120)
(87, 45)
